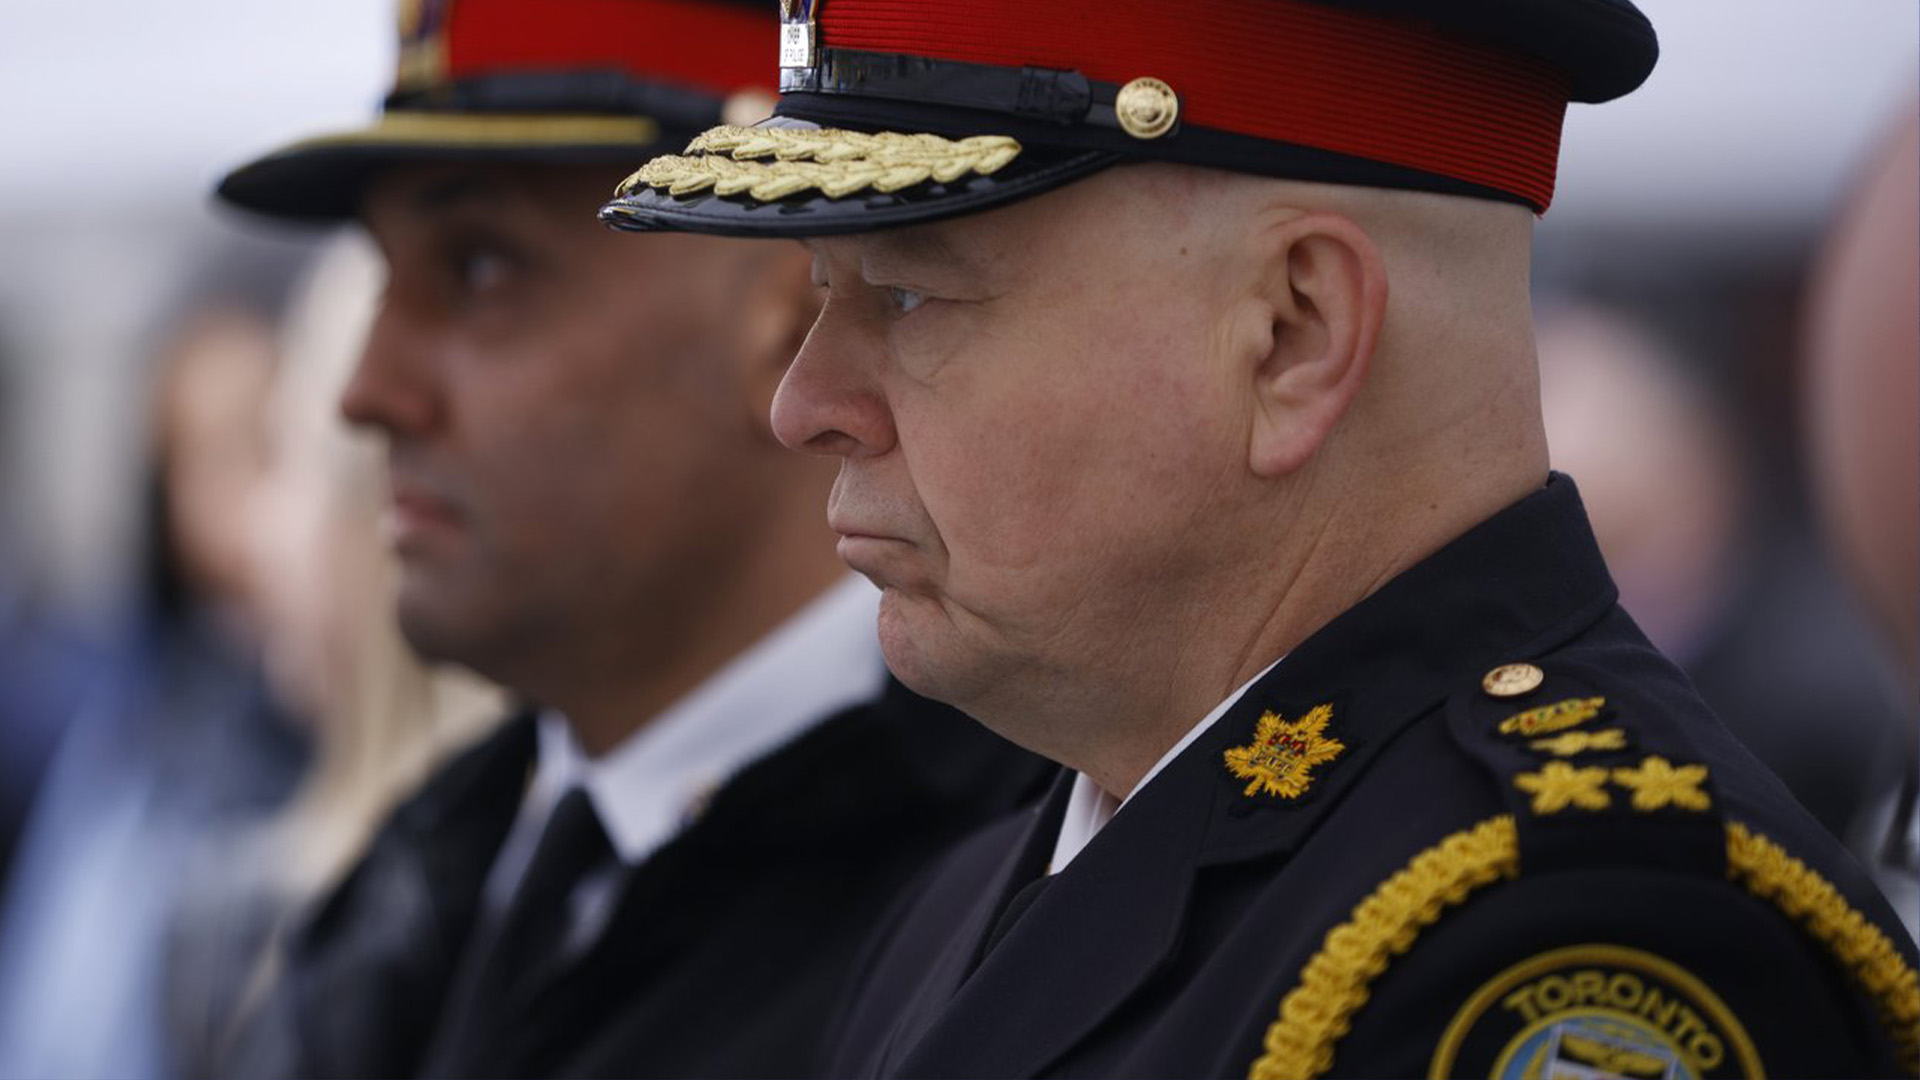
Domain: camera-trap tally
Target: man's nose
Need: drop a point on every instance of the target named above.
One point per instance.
(831, 401)
(395, 387)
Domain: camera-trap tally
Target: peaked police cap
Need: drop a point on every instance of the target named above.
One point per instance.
(553, 81)
(894, 112)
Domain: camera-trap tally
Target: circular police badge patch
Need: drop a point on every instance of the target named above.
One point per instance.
(1595, 1012)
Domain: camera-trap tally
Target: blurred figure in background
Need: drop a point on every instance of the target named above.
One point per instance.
(1752, 617)
(1862, 379)
(324, 592)
(181, 738)
(46, 665)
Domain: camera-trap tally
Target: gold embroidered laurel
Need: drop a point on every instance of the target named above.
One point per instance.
(773, 163)
(1335, 983)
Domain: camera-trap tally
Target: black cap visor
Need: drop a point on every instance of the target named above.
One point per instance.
(323, 179)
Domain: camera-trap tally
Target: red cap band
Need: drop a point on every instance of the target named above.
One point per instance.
(720, 48)
(1387, 90)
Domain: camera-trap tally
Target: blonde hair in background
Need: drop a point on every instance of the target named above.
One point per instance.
(381, 718)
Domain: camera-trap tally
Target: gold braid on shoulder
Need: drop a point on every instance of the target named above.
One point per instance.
(1803, 895)
(1334, 984)
(773, 163)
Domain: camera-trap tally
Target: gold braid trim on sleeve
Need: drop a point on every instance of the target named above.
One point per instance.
(1334, 984)
(1868, 956)
(772, 163)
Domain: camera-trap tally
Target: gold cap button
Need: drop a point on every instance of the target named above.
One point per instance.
(1513, 680)
(1147, 108)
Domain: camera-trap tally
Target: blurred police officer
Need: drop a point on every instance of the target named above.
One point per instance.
(666, 869)
(1179, 362)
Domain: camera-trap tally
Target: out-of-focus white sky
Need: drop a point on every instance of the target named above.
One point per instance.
(138, 104)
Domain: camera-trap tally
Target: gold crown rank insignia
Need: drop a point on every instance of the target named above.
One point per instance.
(1281, 759)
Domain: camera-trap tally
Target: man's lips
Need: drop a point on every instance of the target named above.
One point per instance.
(414, 515)
(850, 527)
(860, 540)
(860, 544)
(868, 555)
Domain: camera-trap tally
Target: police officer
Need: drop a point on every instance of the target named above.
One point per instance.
(666, 866)
(1178, 360)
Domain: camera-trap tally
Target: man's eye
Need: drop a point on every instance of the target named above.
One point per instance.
(905, 299)
(481, 270)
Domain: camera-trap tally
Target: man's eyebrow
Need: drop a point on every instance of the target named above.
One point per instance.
(918, 248)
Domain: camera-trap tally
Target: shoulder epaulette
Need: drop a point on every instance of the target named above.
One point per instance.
(1585, 785)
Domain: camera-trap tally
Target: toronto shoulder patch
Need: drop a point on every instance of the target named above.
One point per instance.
(1593, 1011)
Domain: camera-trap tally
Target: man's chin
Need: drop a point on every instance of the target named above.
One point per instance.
(437, 628)
(925, 651)
(430, 638)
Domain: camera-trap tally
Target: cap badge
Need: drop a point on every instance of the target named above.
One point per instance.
(410, 15)
(423, 48)
(1147, 108)
(799, 24)
(1283, 754)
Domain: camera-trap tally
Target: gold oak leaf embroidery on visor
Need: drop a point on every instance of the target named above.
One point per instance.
(1281, 758)
(772, 163)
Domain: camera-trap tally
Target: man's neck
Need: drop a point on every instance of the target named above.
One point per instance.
(1117, 732)
(618, 688)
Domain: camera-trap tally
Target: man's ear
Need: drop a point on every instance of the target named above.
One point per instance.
(776, 311)
(1323, 296)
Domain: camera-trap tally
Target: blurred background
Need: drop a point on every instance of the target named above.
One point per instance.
(148, 561)
(1691, 205)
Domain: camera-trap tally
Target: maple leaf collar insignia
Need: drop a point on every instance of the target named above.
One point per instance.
(1281, 759)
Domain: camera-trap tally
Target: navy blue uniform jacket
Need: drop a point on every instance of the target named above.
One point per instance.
(1387, 860)
(728, 948)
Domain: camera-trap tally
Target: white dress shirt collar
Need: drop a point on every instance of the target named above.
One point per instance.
(824, 659)
(1090, 806)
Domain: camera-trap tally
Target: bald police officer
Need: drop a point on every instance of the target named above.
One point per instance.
(1178, 360)
(667, 866)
